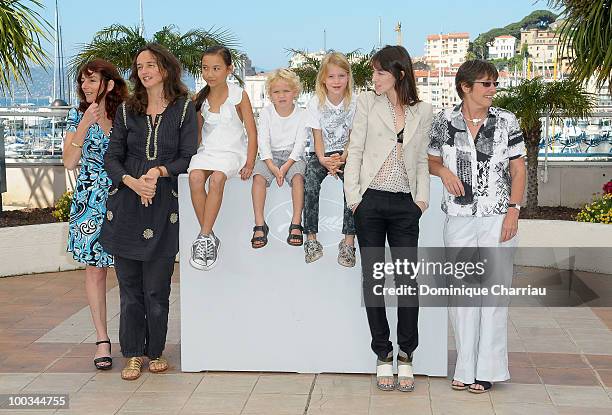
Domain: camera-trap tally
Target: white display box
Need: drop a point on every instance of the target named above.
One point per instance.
(267, 310)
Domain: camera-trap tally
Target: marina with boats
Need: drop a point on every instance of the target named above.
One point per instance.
(32, 132)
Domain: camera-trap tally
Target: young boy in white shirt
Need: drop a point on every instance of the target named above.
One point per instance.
(282, 137)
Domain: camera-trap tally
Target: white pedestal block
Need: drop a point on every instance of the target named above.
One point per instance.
(267, 310)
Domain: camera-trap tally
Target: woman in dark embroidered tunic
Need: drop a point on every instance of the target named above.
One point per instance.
(154, 136)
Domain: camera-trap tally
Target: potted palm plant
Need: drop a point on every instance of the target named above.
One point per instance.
(534, 99)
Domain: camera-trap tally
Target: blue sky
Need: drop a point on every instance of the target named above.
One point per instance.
(265, 29)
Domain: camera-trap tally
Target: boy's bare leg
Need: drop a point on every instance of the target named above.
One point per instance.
(258, 192)
(297, 196)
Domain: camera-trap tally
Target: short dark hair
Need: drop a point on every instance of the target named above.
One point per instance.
(395, 59)
(470, 71)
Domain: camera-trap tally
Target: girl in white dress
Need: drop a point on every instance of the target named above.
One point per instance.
(224, 111)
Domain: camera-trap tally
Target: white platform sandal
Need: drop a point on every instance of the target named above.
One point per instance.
(404, 372)
(384, 371)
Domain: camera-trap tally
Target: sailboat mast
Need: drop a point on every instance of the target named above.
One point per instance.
(141, 25)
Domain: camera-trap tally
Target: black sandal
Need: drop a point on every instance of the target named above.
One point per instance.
(459, 387)
(260, 241)
(293, 239)
(105, 359)
(486, 386)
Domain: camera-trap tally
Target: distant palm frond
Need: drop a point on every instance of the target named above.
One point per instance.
(22, 30)
(118, 44)
(307, 71)
(533, 99)
(586, 38)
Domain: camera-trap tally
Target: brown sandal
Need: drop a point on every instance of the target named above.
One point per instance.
(160, 362)
(134, 364)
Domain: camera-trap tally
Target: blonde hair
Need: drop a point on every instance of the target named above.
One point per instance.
(338, 59)
(284, 75)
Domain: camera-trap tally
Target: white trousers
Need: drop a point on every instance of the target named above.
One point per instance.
(481, 335)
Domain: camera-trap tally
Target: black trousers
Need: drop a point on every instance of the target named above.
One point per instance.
(393, 217)
(144, 289)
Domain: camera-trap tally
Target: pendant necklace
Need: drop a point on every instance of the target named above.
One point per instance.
(474, 121)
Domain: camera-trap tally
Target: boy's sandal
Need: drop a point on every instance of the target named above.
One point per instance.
(486, 386)
(260, 241)
(384, 371)
(293, 239)
(132, 369)
(158, 365)
(461, 387)
(105, 362)
(404, 374)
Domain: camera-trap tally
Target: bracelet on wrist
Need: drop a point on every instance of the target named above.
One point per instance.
(72, 143)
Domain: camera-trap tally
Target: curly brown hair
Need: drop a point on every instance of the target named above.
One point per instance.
(170, 68)
(108, 72)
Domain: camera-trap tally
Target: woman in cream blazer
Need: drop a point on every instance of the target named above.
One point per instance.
(387, 187)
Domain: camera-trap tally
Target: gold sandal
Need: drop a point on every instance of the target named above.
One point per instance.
(160, 362)
(134, 364)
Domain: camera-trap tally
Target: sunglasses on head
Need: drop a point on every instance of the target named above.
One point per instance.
(487, 84)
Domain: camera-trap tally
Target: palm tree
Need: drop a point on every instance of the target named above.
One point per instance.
(533, 99)
(586, 36)
(21, 31)
(360, 66)
(118, 44)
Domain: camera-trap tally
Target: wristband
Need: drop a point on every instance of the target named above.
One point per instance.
(72, 143)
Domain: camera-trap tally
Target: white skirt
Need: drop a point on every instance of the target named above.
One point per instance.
(227, 162)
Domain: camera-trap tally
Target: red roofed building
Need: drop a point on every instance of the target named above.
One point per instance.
(446, 50)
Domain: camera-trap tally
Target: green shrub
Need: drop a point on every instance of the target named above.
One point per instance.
(598, 211)
(61, 211)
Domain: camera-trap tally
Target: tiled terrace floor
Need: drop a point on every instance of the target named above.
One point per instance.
(560, 358)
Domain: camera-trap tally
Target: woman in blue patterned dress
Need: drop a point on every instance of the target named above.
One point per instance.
(101, 89)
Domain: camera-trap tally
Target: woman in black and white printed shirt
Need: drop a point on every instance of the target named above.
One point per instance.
(477, 150)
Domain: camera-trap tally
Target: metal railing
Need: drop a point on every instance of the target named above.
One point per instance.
(36, 134)
(583, 139)
(33, 132)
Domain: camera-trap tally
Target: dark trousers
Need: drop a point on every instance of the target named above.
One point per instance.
(314, 176)
(144, 289)
(394, 217)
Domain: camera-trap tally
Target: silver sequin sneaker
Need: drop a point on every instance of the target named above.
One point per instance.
(346, 255)
(198, 253)
(212, 251)
(313, 250)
